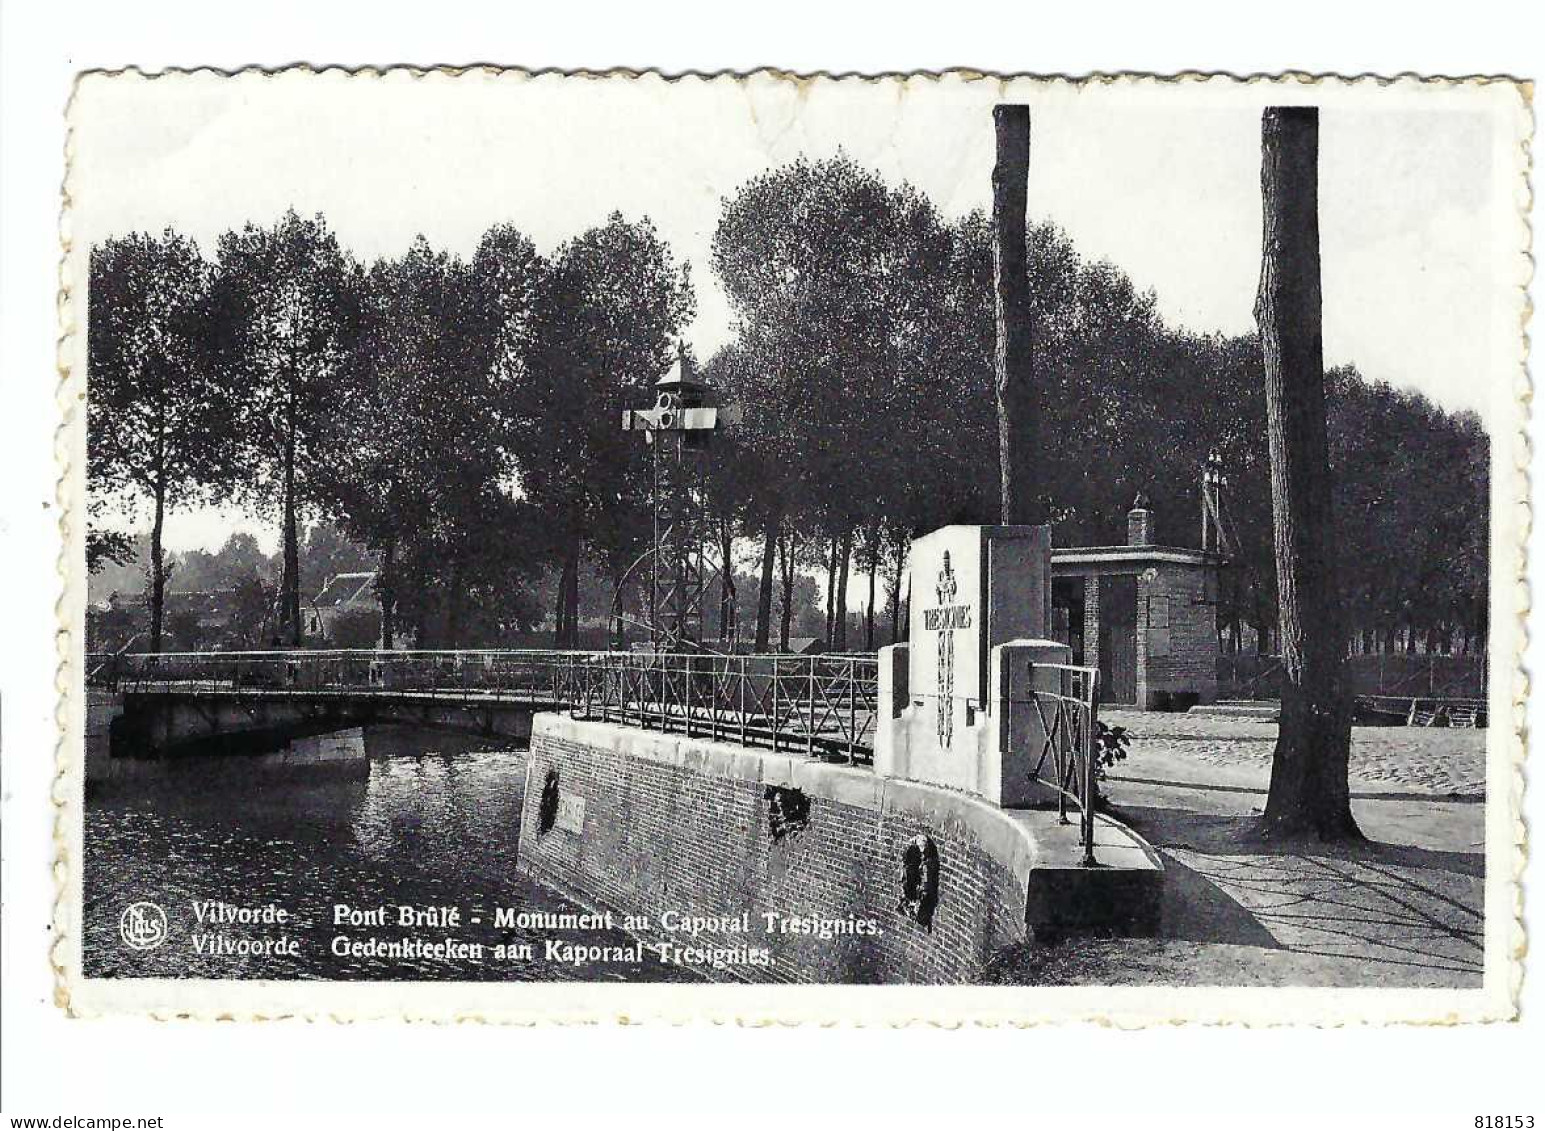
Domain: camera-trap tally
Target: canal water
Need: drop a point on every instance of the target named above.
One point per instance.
(434, 825)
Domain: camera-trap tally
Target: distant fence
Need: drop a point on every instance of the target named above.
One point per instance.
(1386, 675)
(816, 705)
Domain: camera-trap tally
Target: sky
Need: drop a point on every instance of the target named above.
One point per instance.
(1163, 181)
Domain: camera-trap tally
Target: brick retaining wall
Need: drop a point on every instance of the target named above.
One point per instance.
(677, 824)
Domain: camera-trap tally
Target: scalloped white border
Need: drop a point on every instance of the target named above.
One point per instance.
(566, 1003)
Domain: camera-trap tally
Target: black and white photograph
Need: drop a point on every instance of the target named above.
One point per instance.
(556, 545)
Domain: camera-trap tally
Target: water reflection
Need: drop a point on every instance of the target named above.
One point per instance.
(435, 823)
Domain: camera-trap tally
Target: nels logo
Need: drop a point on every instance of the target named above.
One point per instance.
(142, 926)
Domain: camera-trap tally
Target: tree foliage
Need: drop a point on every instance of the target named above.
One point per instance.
(608, 314)
(459, 421)
(285, 317)
(158, 422)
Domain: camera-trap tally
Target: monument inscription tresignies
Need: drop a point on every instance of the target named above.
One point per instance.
(944, 619)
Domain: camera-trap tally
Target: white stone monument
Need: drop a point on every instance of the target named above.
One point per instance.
(954, 709)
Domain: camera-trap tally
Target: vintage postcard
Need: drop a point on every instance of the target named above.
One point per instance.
(941, 548)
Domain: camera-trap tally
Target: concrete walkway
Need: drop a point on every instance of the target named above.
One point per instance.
(1403, 909)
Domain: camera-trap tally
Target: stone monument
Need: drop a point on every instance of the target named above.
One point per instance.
(954, 708)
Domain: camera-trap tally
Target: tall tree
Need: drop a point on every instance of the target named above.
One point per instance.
(158, 426)
(380, 480)
(425, 479)
(286, 311)
(1018, 407)
(605, 323)
(836, 279)
(1309, 791)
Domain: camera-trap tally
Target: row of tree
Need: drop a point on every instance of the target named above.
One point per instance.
(460, 418)
(864, 365)
(324, 552)
(454, 416)
(223, 598)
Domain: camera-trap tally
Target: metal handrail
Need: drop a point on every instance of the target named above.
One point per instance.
(1066, 700)
(820, 705)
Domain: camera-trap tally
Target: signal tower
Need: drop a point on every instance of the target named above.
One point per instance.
(677, 429)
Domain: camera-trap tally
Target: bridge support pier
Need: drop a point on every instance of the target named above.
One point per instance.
(151, 725)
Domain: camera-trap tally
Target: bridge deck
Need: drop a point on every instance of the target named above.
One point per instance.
(523, 697)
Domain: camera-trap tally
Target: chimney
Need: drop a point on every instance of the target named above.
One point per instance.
(1140, 523)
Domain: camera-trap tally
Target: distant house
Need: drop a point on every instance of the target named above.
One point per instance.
(210, 609)
(344, 593)
(191, 618)
(1144, 614)
(214, 609)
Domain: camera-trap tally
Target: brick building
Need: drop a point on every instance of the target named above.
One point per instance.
(1145, 615)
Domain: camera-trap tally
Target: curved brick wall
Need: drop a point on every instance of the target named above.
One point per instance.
(686, 825)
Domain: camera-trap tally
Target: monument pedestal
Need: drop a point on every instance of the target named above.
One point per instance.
(953, 704)
(963, 705)
(967, 702)
(998, 740)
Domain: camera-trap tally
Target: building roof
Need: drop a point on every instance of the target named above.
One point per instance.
(1130, 555)
(346, 589)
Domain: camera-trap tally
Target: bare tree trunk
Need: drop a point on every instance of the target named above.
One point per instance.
(841, 608)
(901, 557)
(1262, 628)
(559, 604)
(1018, 408)
(831, 594)
(386, 593)
(874, 568)
(765, 582)
(289, 592)
(786, 548)
(727, 626)
(157, 569)
(453, 603)
(571, 596)
(566, 609)
(1309, 791)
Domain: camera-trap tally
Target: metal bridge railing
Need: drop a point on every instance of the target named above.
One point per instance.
(1066, 701)
(533, 676)
(815, 705)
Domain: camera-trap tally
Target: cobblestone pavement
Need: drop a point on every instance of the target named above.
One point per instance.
(1429, 760)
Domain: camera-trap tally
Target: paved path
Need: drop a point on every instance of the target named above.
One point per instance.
(1403, 909)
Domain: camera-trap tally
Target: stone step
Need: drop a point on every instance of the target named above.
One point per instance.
(1122, 891)
(1265, 711)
